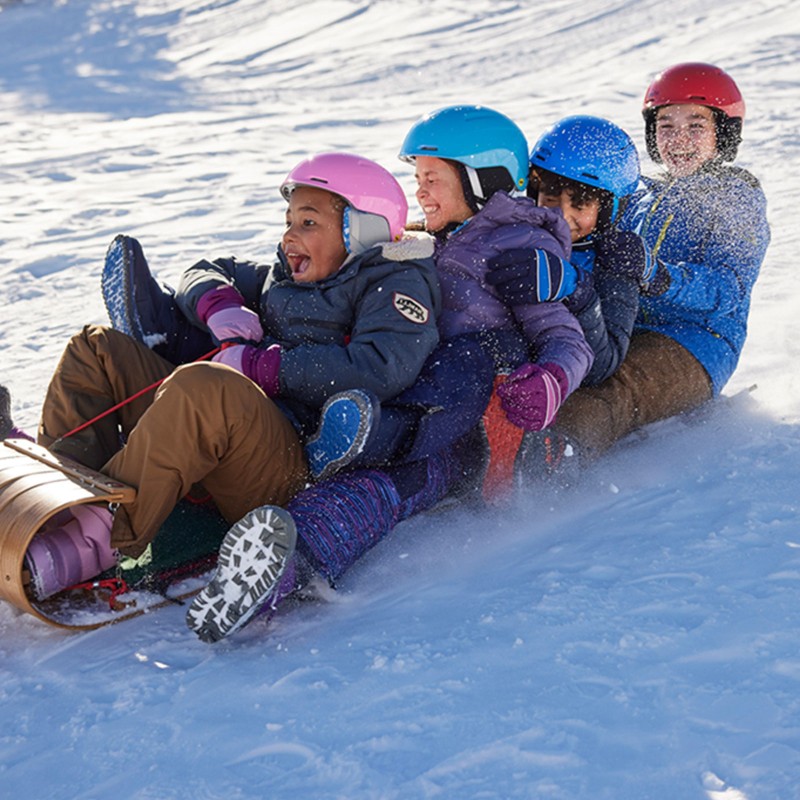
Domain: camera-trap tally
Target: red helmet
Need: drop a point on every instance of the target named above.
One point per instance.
(704, 85)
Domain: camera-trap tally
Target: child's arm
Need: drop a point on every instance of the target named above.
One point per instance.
(607, 306)
(223, 296)
(738, 235)
(561, 358)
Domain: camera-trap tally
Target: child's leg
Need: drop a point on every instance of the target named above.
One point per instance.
(208, 424)
(331, 524)
(340, 519)
(449, 396)
(75, 550)
(99, 368)
(657, 380)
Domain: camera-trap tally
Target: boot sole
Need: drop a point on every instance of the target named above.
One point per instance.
(331, 432)
(115, 285)
(252, 559)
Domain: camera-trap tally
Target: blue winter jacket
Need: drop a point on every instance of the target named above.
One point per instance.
(371, 325)
(710, 230)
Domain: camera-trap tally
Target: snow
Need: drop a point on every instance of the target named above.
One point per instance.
(637, 639)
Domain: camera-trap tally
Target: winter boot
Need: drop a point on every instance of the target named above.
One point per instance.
(256, 568)
(144, 308)
(345, 424)
(7, 428)
(76, 551)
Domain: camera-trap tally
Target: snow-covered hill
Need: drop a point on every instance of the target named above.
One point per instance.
(638, 639)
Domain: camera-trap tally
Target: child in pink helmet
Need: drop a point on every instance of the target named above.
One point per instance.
(342, 302)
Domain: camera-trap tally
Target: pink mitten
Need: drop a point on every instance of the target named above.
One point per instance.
(533, 394)
(224, 313)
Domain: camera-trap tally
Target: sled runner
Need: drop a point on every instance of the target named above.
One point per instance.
(36, 484)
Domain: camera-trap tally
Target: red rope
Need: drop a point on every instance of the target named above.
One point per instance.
(133, 397)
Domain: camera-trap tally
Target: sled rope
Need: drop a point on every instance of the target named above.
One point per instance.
(133, 397)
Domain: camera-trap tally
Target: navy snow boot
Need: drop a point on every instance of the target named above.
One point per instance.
(7, 428)
(144, 308)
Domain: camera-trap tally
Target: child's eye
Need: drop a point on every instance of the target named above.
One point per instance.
(309, 223)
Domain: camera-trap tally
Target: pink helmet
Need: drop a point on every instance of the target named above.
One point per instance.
(366, 187)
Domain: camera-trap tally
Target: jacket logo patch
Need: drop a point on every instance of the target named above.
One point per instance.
(410, 308)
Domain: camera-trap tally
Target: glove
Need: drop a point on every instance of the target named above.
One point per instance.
(529, 276)
(584, 293)
(533, 394)
(660, 281)
(625, 254)
(261, 365)
(226, 317)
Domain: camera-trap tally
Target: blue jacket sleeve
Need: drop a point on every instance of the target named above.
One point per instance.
(733, 252)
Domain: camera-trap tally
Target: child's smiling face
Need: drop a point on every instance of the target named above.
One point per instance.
(686, 137)
(581, 215)
(312, 242)
(439, 193)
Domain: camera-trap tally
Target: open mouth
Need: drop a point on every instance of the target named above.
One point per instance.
(298, 263)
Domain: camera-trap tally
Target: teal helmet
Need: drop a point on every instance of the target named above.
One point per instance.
(489, 148)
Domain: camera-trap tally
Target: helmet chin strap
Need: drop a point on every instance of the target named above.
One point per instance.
(475, 186)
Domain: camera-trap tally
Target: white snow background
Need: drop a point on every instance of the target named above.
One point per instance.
(638, 639)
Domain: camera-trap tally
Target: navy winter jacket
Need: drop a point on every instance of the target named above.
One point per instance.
(371, 325)
(607, 314)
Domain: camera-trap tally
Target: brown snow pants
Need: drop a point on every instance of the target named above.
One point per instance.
(205, 424)
(658, 379)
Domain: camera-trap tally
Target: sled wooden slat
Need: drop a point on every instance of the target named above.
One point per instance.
(35, 485)
(72, 468)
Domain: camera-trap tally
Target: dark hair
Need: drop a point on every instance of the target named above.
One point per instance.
(542, 180)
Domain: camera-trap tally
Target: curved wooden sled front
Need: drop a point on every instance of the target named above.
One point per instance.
(35, 485)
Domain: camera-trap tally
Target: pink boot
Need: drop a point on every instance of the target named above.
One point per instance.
(74, 552)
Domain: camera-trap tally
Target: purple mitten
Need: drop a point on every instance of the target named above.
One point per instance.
(224, 313)
(262, 366)
(533, 394)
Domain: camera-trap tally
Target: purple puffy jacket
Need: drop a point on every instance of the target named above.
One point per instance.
(470, 304)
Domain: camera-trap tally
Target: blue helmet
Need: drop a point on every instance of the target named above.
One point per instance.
(591, 151)
(489, 146)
